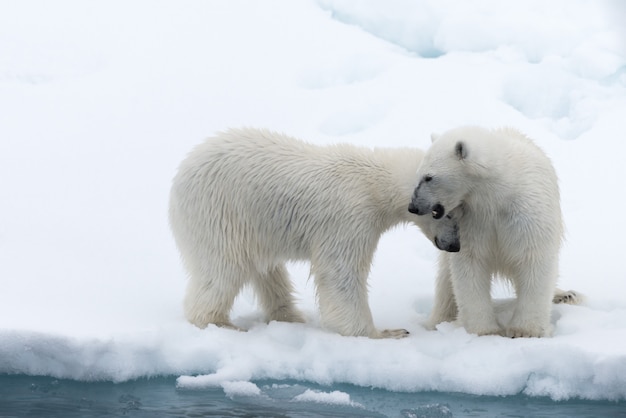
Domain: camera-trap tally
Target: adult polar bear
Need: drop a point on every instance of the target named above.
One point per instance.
(503, 192)
(246, 201)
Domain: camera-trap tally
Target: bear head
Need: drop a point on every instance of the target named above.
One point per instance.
(456, 162)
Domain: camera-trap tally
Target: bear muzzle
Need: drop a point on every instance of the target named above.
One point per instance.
(437, 210)
(451, 247)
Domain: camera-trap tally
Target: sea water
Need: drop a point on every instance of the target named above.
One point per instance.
(26, 396)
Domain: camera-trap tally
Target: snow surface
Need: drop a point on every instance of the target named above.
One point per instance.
(100, 101)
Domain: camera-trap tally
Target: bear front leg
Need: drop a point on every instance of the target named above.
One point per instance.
(471, 283)
(343, 301)
(444, 308)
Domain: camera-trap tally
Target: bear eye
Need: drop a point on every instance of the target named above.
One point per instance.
(428, 178)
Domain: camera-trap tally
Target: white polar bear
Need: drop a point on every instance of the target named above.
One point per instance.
(246, 201)
(502, 191)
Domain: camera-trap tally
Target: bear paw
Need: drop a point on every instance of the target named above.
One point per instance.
(528, 332)
(286, 314)
(493, 331)
(219, 324)
(570, 297)
(229, 325)
(391, 333)
(486, 328)
(523, 333)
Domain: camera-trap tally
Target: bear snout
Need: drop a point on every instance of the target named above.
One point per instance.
(414, 209)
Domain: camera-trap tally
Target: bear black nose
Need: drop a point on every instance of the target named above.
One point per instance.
(438, 211)
(413, 208)
(454, 247)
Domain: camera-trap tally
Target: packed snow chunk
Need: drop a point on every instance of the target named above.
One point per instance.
(240, 388)
(220, 379)
(334, 398)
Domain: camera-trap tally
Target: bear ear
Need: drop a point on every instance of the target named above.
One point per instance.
(434, 137)
(460, 149)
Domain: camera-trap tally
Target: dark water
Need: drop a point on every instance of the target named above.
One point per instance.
(25, 396)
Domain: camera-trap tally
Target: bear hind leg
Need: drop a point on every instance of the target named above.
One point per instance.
(444, 308)
(275, 293)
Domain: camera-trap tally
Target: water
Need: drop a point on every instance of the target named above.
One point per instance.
(26, 396)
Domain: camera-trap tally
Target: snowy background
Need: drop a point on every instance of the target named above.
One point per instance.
(100, 101)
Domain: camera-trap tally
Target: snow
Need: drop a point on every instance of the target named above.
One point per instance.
(100, 102)
(232, 389)
(335, 397)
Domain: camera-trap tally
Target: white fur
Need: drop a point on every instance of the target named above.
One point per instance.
(246, 201)
(504, 192)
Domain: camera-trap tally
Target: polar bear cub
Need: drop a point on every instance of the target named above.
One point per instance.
(503, 192)
(246, 201)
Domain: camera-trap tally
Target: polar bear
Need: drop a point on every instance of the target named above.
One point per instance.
(246, 201)
(502, 191)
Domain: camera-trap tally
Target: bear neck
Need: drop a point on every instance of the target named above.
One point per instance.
(494, 187)
(506, 189)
